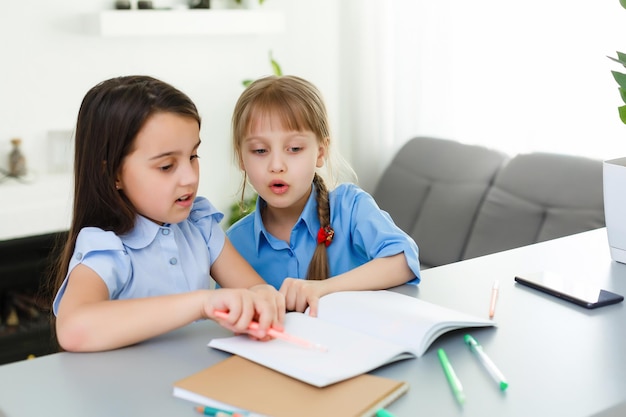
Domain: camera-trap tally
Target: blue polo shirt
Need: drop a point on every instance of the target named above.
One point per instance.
(152, 260)
(362, 232)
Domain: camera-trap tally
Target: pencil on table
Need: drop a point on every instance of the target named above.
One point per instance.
(494, 298)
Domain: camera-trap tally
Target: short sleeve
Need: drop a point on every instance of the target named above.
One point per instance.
(104, 253)
(206, 218)
(374, 231)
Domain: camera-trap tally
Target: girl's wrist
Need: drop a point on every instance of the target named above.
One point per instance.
(205, 301)
(261, 287)
(325, 287)
(343, 282)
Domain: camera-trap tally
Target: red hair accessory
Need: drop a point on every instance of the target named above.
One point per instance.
(325, 235)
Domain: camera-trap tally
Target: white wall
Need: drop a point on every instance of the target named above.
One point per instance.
(517, 76)
(50, 57)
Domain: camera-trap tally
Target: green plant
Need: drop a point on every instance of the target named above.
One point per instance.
(260, 2)
(620, 77)
(240, 209)
(275, 69)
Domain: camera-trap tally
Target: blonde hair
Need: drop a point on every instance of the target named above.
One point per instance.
(300, 107)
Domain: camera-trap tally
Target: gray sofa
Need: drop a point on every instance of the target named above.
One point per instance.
(460, 201)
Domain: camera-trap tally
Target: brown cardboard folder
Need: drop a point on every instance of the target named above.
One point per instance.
(245, 385)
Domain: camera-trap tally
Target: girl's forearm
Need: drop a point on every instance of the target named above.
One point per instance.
(377, 274)
(231, 270)
(112, 324)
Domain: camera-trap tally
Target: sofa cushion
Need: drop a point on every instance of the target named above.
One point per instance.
(537, 197)
(432, 189)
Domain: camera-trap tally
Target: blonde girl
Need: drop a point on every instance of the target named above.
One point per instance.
(302, 233)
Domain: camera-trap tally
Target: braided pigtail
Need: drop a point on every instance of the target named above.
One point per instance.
(318, 267)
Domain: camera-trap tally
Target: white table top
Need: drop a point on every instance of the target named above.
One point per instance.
(560, 359)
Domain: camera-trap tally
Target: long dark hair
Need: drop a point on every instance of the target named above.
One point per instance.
(110, 117)
(300, 106)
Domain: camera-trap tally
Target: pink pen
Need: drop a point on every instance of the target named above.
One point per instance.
(278, 334)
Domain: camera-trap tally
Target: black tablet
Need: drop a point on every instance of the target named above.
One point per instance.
(574, 290)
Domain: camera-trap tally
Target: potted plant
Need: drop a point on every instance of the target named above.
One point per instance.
(614, 179)
(620, 78)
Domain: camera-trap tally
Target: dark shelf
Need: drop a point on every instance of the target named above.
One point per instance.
(24, 265)
(19, 343)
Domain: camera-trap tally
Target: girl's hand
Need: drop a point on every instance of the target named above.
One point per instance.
(300, 294)
(275, 299)
(243, 307)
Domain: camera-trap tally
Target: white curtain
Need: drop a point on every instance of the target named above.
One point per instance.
(518, 77)
(383, 82)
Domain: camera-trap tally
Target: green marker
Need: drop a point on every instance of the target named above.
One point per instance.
(383, 413)
(486, 362)
(453, 380)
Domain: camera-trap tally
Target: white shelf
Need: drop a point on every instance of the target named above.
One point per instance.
(41, 206)
(189, 22)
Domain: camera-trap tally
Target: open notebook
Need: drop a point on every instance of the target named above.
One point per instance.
(362, 330)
